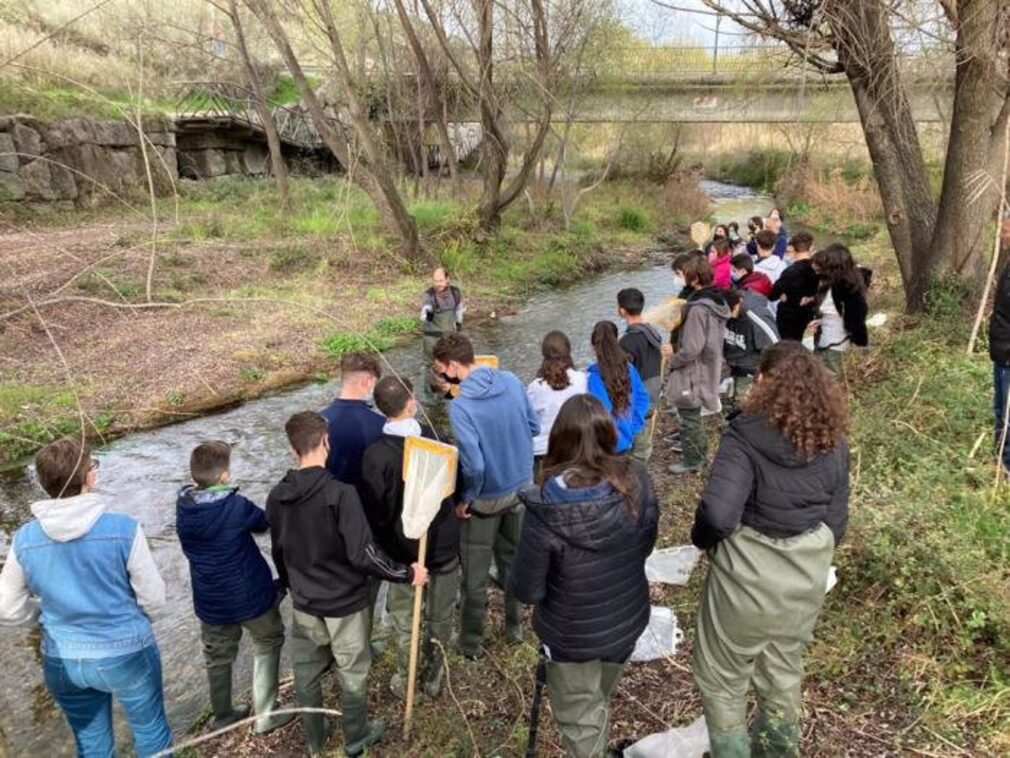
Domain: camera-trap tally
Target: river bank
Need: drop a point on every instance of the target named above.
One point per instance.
(254, 300)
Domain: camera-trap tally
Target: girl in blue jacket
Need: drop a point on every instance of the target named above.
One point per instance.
(616, 383)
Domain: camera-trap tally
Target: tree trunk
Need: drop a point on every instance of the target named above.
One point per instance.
(278, 167)
(370, 174)
(865, 48)
(971, 192)
(494, 145)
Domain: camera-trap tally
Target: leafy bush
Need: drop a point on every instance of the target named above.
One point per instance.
(632, 218)
(760, 169)
(394, 326)
(337, 344)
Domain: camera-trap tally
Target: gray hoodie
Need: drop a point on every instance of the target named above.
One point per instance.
(696, 368)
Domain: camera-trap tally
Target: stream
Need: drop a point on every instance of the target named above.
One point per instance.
(143, 472)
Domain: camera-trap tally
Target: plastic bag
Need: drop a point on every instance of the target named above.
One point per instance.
(660, 638)
(685, 742)
(672, 565)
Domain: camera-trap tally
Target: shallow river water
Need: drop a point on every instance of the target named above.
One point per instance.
(143, 472)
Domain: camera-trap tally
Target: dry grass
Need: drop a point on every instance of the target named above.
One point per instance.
(827, 198)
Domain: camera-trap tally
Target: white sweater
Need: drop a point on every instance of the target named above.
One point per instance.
(546, 402)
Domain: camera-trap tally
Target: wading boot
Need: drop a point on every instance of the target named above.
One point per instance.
(219, 679)
(266, 667)
(775, 739)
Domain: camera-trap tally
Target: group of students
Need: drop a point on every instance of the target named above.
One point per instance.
(551, 489)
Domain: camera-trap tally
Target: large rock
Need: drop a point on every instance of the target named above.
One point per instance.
(8, 153)
(69, 132)
(128, 169)
(38, 180)
(115, 134)
(11, 187)
(254, 160)
(167, 170)
(233, 162)
(209, 163)
(28, 142)
(63, 182)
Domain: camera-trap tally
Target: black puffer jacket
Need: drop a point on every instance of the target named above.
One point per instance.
(758, 481)
(581, 562)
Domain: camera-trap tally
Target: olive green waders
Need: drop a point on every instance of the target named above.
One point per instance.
(580, 700)
(492, 531)
(220, 649)
(436, 614)
(693, 437)
(758, 609)
(317, 643)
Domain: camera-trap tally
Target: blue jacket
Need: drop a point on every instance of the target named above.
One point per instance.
(353, 426)
(781, 242)
(231, 580)
(632, 421)
(92, 573)
(494, 427)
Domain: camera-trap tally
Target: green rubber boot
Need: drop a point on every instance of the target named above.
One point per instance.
(729, 744)
(266, 668)
(775, 739)
(219, 679)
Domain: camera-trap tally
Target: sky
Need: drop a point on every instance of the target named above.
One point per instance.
(661, 25)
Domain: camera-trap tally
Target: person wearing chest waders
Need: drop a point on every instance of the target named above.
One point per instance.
(441, 311)
(770, 517)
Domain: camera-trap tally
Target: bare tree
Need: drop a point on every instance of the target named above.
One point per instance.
(373, 173)
(278, 167)
(428, 86)
(482, 85)
(860, 39)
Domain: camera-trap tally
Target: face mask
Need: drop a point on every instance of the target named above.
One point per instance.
(450, 379)
(679, 283)
(736, 278)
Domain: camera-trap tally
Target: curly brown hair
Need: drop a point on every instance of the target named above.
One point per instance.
(796, 395)
(556, 350)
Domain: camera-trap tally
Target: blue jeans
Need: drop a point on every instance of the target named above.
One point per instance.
(83, 688)
(1001, 385)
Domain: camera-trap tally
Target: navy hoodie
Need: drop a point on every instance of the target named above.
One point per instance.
(231, 580)
(494, 427)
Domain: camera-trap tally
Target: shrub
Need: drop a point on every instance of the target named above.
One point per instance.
(632, 218)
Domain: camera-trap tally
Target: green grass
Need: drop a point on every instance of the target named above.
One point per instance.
(921, 618)
(760, 169)
(632, 218)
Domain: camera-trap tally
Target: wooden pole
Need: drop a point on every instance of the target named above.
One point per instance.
(415, 640)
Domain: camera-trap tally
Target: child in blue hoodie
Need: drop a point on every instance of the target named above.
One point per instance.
(494, 427)
(618, 385)
(233, 588)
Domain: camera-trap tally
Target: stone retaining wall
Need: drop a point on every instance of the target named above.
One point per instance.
(81, 161)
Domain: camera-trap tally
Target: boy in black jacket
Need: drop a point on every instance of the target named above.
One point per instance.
(796, 290)
(382, 496)
(323, 549)
(643, 343)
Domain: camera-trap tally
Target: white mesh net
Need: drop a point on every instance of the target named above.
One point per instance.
(429, 475)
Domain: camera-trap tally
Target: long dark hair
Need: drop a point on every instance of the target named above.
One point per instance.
(582, 448)
(613, 363)
(796, 395)
(835, 265)
(556, 350)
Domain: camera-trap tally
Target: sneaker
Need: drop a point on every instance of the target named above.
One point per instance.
(376, 729)
(682, 469)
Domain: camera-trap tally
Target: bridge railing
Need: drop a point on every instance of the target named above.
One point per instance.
(209, 99)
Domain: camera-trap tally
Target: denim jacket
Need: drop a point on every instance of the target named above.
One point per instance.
(92, 573)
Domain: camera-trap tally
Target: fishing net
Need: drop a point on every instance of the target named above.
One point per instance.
(700, 233)
(429, 475)
(685, 742)
(667, 314)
